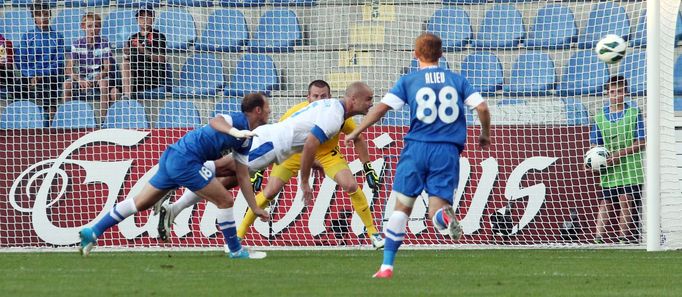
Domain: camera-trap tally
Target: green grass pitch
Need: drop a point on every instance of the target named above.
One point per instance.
(550, 272)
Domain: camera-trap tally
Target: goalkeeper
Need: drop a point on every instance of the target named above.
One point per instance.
(334, 165)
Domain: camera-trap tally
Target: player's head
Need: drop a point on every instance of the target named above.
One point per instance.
(428, 48)
(319, 89)
(358, 98)
(256, 106)
(617, 88)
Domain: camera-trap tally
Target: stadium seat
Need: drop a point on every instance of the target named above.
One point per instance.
(22, 115)
(201, 75)
(178, 114)
(118, 26)
(86, 3)
(414, 65)
(678, 28)
(502, 27)
(190, 3)
(254, 73)
(453, 26)
(639, 36)
(399, 117)
(227, 106)
(293, 2)
(677, 76)
(553, 28)
(677, 103)
(605, 18)
(633, 68)
(226, 31)
(458, 2)
(27, 3)
(584, 74)
(68, 23)
(178, 26)
(484, 72)
(138, 3)
(532, 74)
(74, 114)
(14, 23)
(242, 3)
(511, 101)
(576, 112)
(278, 31)
(126, 114)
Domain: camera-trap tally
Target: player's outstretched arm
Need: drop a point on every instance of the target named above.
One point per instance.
(244, 180)
(484, 117)
(307, 158)
(374, 115)
(220, 124)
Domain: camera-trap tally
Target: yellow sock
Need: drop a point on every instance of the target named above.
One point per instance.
(250, 217)
(361, 207)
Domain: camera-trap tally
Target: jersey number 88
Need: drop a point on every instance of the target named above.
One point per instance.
(427, 111)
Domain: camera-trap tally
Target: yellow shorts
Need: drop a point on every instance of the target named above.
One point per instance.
(332, 162)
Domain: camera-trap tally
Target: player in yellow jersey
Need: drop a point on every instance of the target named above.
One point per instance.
(334, 165)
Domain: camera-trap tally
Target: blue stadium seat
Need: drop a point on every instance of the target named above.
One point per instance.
(74, 114)
(126, 114)
(86, 3)
(27, 3)
(227, 106)
(576, 112)
(453, 26)
(633, 67)
(254, 73)
(605, 18)
(22, 115)
(293, 2)
(457, 2)
(414, 65)
(138, 3)
(484, 71)
(639, 36)
(201, 75)
(226, 31)
(14, 23)
(677, 76)
(68, 23)
(584, 74)
(511, 101)
(502, 27)
(190, 3)
(278, 31)
(677, 103)
(178, 114)
(553, 28)
(399, 117)
(178, 26)
(532, 74)
(118, 26)
(678, 28)
(242, 3)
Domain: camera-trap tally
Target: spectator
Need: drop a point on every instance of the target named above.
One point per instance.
(144, 56)
(6, 65)
(91, 57)
(619, 127)
(41, 60)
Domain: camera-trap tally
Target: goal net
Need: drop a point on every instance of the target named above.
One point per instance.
(93, 91)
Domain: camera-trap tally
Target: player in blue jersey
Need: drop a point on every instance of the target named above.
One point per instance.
(181, 165)
(430, 158)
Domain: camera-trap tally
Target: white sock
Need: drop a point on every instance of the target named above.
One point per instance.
(123, 210)
(397, 224)
(187, 199)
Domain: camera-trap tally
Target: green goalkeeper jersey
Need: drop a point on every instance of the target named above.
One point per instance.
(618, 135)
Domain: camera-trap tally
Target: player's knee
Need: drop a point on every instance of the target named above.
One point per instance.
(225, 202)
(350, 187)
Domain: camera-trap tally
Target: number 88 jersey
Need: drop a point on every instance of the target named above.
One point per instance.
(436, 98)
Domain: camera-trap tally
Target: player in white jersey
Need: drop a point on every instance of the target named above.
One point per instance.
(303, 132)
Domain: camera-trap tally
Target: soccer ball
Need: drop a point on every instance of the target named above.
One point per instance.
(595, 158)
(611, 48)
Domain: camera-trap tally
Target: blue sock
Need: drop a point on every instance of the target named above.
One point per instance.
(390, 249)
(227, 226)
(117, 214)
(394, 230)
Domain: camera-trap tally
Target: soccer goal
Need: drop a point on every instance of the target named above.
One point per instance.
(92, 91)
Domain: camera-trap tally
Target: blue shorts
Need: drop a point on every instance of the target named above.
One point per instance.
(430, 166)
(180, 170)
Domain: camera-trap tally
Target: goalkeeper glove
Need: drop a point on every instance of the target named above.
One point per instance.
(257, 181)
(373, 180)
